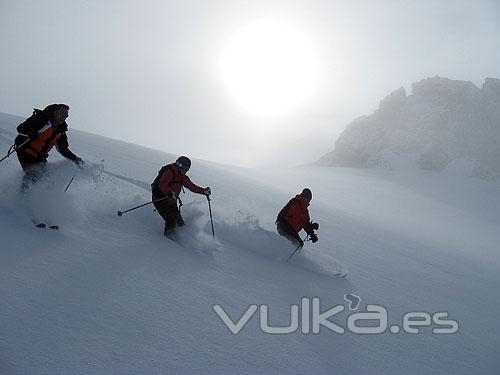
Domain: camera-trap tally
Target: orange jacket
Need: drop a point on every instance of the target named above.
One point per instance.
(47, 138)
(43, 144)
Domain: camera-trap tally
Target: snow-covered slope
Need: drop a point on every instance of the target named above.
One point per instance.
(111, 295)
(444, 124)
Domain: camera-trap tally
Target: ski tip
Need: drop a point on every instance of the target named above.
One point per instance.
(40, 225)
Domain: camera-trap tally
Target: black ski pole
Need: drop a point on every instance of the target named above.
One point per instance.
(13, 149)
(211, 219)
(9, 152)
(120, 213)
(69, 183)
(297, 249)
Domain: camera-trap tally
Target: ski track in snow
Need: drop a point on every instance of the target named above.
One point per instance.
(248, 232)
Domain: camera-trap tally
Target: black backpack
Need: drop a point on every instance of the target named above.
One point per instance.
(155, 186)
(284, 210)
(33, 123)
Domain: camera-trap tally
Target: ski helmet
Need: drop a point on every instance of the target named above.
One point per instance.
(183, 162)
(306, 193)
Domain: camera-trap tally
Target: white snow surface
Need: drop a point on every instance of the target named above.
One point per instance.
(111, 295)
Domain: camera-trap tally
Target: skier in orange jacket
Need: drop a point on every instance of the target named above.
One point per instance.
(38, 134)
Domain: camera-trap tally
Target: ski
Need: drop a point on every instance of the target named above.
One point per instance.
(43, 225)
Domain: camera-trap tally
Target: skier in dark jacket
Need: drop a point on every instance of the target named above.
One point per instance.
(294, 217)
(168, 184)
(38, 135)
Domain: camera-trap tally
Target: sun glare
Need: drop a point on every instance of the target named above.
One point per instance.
(269, 68)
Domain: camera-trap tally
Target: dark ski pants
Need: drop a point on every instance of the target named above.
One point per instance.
(170, 213)
(33, 170)
(286, 230)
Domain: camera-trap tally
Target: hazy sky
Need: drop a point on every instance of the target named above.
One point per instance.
(150, 72)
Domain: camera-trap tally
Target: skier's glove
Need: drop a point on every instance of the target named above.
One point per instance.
(314, 238)
(207, 191)
(171, 195)
(314, 226)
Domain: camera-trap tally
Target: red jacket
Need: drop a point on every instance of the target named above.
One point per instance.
(297, 214)
(172, 181)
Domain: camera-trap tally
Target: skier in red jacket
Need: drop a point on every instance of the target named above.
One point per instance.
(295, 216)
(168, 184)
